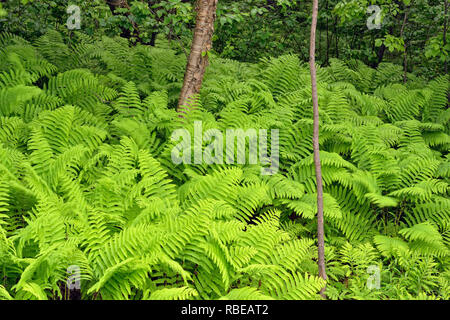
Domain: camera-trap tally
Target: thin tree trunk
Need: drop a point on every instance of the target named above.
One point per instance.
(445, 32)
(327, 57)
(153, 39)
(380, 55)
(315, 100)
(198, 57)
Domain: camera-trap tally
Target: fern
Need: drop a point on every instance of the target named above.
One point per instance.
(87, 179)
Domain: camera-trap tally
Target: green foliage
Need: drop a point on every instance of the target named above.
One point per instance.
(436, 47)
(87, 178)
(253, 29)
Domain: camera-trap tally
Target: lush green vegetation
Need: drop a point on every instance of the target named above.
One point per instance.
(253, 29)
(87, 179)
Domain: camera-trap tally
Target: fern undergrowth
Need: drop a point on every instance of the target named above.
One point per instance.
(87, 180)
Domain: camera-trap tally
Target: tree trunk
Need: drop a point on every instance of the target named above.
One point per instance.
(153, 39)
(445, 32)
(315, 100)
(380, 55)
(327, 57)
(198, 57)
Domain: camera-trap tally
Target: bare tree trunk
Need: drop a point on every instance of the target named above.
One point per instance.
(327, 57)
(445, 32)
(312, 66)
(198, 57)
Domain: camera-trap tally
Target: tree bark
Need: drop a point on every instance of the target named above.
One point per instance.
(380, 55)
(327, 57)
(198, 57)
(318, 169)
(445, 32)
